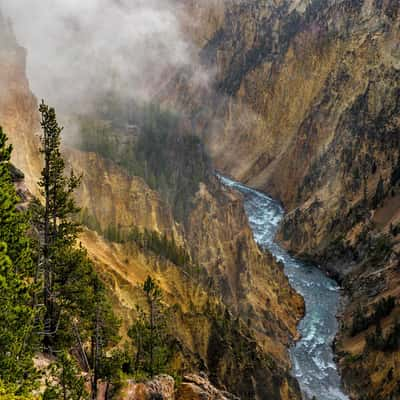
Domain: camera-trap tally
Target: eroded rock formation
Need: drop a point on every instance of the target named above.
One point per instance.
(237, 318)
(304, 104)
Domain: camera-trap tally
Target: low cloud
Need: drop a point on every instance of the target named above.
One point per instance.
(78, 50)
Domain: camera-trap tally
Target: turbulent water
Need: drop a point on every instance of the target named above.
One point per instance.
(312, 356)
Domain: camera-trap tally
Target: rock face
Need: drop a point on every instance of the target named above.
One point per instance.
(193, 387)
(304, 104)
(161, 387)
(112, 198)
(238, 265)
(18, 106)
(235, 315)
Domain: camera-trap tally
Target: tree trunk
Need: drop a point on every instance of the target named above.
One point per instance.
(96, 354)
(151, 339)
(46, 248)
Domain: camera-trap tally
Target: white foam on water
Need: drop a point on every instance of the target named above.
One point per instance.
(312, 355)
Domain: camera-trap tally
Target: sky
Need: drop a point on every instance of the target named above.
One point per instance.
(78, 49)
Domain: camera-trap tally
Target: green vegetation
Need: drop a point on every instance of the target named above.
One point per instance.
(362, 320)
(379, 248)
(52, 299)
(395, 176)
(16, 263)
(394, 229)
(353, 358)
(378, 341)
(149, 334)
(152, 241)
(146, 240)
(160, 245)
(379, 194)
(76, 308)
(154, 145)
(64, 381)
(7, 392)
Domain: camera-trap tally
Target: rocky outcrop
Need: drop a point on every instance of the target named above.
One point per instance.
(249, 337)
(110, 198)
(193, 387)
(18, 106)
(247, 278)
(196, 387)
(161, 387)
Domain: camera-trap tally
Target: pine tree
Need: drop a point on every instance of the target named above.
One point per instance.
(58, 231)
(149, 332)
(16, 315)
(65, 382)
(379, 194)
(104, 332)
(13, 223)
(75, 300)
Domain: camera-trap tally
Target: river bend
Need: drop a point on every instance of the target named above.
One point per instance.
(312, 356)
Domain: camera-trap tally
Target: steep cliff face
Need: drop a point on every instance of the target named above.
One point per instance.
(18, 106)
(304, 104)
(237, 295)
(110, 197)
(209, 337)
(235, 313)
(252, 281)
(284, 76)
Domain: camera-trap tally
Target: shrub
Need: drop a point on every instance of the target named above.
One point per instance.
(362, 321)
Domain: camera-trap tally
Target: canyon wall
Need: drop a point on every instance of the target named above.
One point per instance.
(235, 313)
(304, 104)
(301, 99)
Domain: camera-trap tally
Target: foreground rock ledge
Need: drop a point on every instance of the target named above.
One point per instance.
(162, 387)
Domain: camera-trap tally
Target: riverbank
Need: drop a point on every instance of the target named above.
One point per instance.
(312, 356)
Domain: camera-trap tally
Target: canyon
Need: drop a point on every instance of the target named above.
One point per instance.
(305, 106)
(235, 312)
(302, 102)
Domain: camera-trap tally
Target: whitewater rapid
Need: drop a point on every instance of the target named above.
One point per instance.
(312, 356)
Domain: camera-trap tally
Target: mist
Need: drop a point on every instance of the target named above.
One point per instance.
(79, 50)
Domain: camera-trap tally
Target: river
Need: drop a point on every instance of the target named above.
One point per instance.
(312, 356)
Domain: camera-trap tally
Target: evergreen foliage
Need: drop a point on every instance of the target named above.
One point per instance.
(149, 333)
(380, 248)
(16, 314)
(395, 176)
(13, 223)
(152, 241)
(378, 341)
(156, 147)
(77, 310)
(104, 332)
(65, 380)
(395, 229)
(379, 194)
(71, 316)
(58, 232)
(362, 320)
(7, 392)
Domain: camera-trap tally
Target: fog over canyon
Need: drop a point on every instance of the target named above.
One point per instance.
(235, 231)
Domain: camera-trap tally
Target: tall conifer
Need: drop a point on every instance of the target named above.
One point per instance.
(16, 315)
(58, 230)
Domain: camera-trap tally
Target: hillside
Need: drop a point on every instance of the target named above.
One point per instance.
(304, 104)
(234, 312)
(297, 98)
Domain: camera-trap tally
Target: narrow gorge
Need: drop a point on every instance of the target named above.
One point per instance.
(312, 356)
